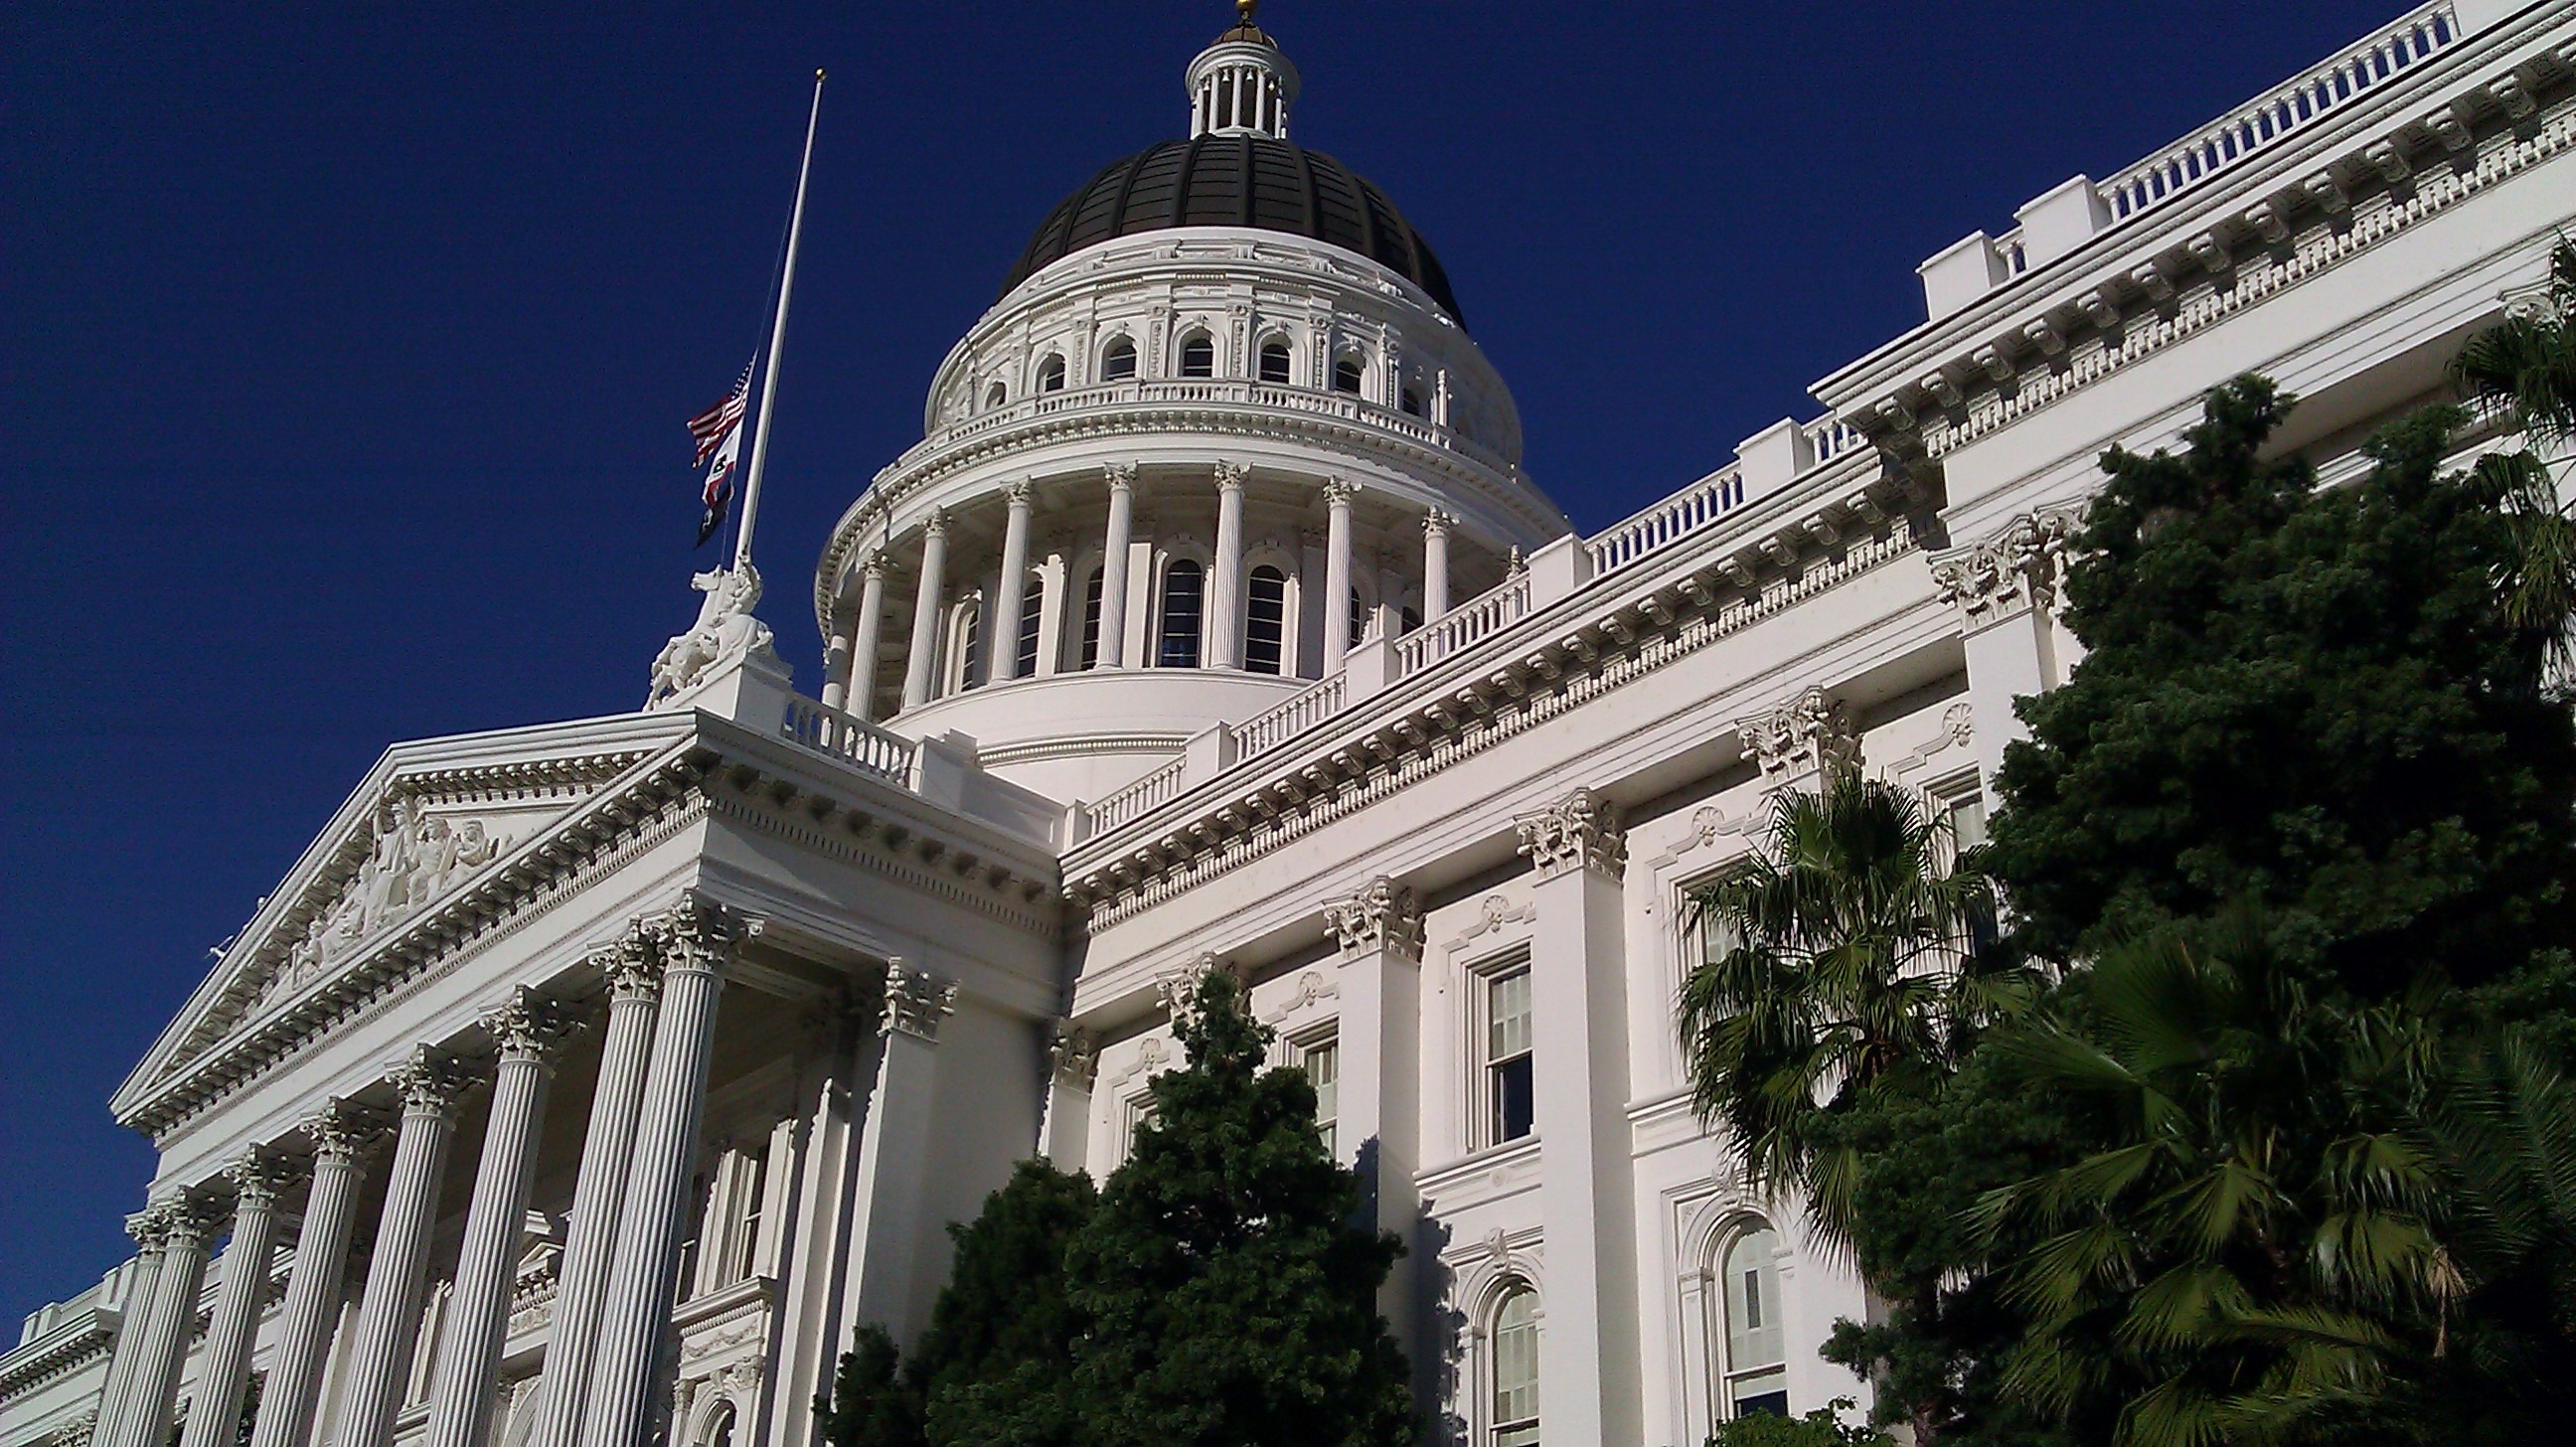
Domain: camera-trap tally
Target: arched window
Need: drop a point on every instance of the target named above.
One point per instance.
(966, 636)
(1515, 1421)
(1274, 361)
(1091, 620)
(1032, 601)
(720, 1431)
(1757, 1376)
(995, 396)
(1118, 360)
(1051, 374)
(1411, 400)
(1198, 355)
(1184, 595)
(1265, 621)
(1346, 375)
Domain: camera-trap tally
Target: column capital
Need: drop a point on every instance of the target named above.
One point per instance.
(1436, 524)
(177, 1221)
(1073, 1057)
(1020, 494)
(1383, 916)
(1338, 492)
(1230, 474)
(697, 934)
(631, 964)
(429, 1082)
(1121, 476)
(526, 1026)
(873, 566)
(935, 525)
(1178, 987)
(2020, 567)
(1580, 831)
(915, 1002)
(1809, 734)
(258, 1180)
(340, 1131)
(150, 1227)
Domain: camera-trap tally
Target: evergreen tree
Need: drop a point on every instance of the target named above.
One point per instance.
(1231, 1298)
(2311, 701)
(871, 1403)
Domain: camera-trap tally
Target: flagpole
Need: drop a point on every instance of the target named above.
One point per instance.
(777, 341)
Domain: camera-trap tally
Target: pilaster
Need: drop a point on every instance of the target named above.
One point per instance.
(1073, 1066)
(2006, 591)
(1379, 932)
(1801, 741)
(894, 1149)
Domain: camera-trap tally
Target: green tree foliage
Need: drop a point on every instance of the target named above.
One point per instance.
(1823, 1427)
(2523, 370)
(1215, 1291)
(1232, 1301)
(2309, 700)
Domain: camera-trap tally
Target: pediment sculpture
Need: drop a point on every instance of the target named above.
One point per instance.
(725, 632)
(414, 857)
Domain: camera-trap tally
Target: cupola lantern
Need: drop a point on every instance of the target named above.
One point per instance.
(1242, 85)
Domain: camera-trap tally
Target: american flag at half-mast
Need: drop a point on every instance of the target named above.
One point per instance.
(718, 431)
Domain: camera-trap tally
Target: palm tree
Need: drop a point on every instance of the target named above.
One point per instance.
(1853, 957)
(2522, 371)
(2257, 1252)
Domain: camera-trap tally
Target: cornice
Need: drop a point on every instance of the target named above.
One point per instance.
(58, 1353)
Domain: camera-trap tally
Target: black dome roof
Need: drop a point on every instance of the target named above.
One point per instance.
(1238, 180)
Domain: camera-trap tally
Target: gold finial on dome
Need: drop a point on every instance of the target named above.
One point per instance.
(1243, 10)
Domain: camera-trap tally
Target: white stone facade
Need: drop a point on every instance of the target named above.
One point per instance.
(735, 1002)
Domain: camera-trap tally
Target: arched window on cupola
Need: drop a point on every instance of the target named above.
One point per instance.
(1515, 1369)
(1051, 373)
(1410, 400)
(1265, 621)
(996, 395)
(1184, 601)
(1118, 359)
(1198, 355)
(1091, 620)
(1274, 361)
(965, 643)
(1347, 372)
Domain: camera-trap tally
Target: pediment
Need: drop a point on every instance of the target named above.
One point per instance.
(429, 820)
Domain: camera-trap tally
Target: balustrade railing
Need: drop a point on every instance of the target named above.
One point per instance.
(2283, 111)
(1117, 808)
(1291, 716)
(1479, 617)
(1658, 527)
(1829, 437)
(830, 731)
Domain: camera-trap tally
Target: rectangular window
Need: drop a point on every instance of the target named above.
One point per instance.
(1507, 1054)
(1965, 812)
(755, 1181)
(1265, 628)
(1323, 1062)
(1032, 608)
(1091, 620)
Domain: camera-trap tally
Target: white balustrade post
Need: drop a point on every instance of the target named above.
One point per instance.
(1435, 565)
(861, 697)
(116, 1399)
(313, 1280)
(1113, 564)
(1003, 647)
(1588, 1371)
(919, 668)
(1337, 573)
(633, 970)
(696, 942)
(223, 1375)
(1225, 602)
(469, 1363)
(389, 1307)
(154, 1389)
(1378, 1108)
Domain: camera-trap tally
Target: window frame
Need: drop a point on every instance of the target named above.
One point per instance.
(1280, 661)
(1487, 1075)
(1052, 373)
(1198, 621)
(1737, 1380)
(1111, 354)
(1520, 1429)
(1181, 363)
(1287, 353)
(1357, 363)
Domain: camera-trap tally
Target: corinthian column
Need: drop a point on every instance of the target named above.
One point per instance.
(1225, 603)
(633, 969)
(697, 942)
(215, 1421)
(1337, 574)
(1379, 930)
(925, 612)
(154, 1389)
(1004, 646)
(313, 1281)
(460, 1404)
(1113, 564)
(861, 701)
(136, 1307)
(1435, 565)
(389, 1311)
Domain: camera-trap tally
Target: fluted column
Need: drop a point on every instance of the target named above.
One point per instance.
(224, 1374)
(697, 944)
(1337, 573)
(313, 1280)
(1435, 565)
(1004, 646)
(460, 1405)
(925, 612)
(1225, 602)
(1113, 564)
(633, 969)
(861, 699)
(154, 1388)
(389, 1311)
(151, 1242)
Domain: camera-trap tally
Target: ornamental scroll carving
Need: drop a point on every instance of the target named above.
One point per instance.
(724, 633)
(1073, 1057)
(916, 1001)
(1385, 915)
(697, 934)
(340, 1131)
(1580, 831)
(1178, 987)
(2020, 568)
(1806, 735)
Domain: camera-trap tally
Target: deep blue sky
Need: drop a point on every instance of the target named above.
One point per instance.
(347, 350)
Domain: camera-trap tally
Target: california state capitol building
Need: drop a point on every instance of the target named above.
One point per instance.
(588, 1083)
